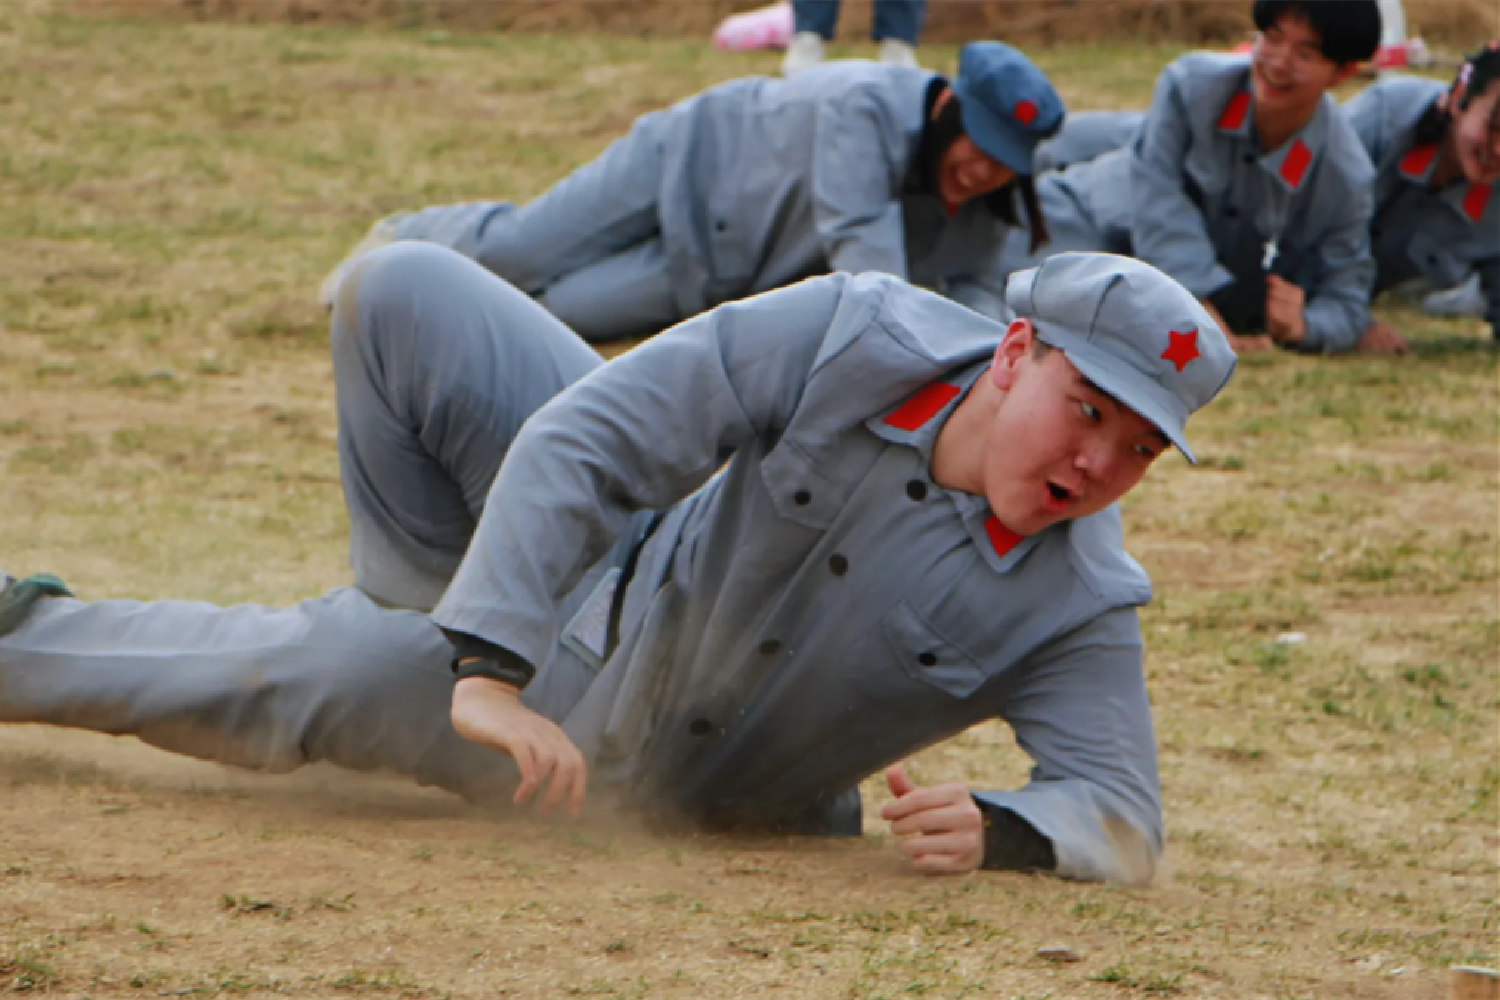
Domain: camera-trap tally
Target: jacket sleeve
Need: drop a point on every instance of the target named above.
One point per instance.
(985, 294)
(640, 432)
(1168, 230)
(1082, 715)
(1338, 309)
(856, 211)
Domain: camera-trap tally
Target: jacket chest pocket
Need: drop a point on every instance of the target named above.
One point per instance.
(1435, 260)
(926, 656)
(803, 487)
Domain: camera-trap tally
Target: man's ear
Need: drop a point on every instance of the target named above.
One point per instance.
(1012, 352)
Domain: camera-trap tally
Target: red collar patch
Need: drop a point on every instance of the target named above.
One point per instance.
(1476, 201)
(1416, 161)
(922, 406)
(1235, 111)
(1294, 166)
(1002, 539)
(1182, 349)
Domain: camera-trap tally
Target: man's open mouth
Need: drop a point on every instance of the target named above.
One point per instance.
(1059, 492)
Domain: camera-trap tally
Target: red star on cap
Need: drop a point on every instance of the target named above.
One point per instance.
(1182, 349)
(1025, 112)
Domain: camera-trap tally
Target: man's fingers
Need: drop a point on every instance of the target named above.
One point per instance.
(569, 779)
(897, 781)
(560, 768)
(917, 848)
(941, 864)
(940, 820)
(921, 799)
(527, 764)
(580, 774)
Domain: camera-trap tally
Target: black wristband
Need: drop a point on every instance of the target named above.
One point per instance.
(1013, 845)
(474, 657)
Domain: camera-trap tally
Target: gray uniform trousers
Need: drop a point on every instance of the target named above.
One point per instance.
(590, 248)
(436, 366)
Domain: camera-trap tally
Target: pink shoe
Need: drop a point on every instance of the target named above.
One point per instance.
(767, 28)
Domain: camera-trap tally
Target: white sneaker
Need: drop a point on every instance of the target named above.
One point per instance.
(1460, 300)
(381, 233)
(805, 52)
(895, 52)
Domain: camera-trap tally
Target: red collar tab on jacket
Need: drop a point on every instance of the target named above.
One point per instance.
(1417, 161)
(922, 406)
(1294, 165)
(1235, 111)
(1002, 539)
(1476, 201)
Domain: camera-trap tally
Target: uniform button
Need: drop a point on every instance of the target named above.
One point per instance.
(721, 225)
(802, 498)
(700, 727)
(838, 564)
(917, 490)
(1250, 157)
(1231, 212)
(927, 659)
(770, 647)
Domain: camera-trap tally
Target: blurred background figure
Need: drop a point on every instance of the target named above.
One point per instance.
(897, 25)
(766, 28)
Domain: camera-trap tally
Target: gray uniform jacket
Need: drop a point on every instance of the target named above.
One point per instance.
(1195, 196)
(766, 181)
(821, 607)
(1441, 235)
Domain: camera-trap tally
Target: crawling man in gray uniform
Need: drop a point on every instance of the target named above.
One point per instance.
(915, 531)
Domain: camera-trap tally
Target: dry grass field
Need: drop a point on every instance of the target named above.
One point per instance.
(171, 194)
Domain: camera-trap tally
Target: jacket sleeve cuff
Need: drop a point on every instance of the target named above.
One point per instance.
(475, 657)
(1013, 845)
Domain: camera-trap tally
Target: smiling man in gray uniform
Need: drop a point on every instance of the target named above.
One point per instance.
(758, 183)
(915, 531)
(1244, 181)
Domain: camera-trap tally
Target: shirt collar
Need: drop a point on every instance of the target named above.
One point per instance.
(1292, 163)
(916, 422)
(1419, 163)
(1471, 200)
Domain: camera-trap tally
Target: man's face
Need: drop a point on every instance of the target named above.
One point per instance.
(1058, 448)
(1288, 70)
(964, 172)
(1476, 136)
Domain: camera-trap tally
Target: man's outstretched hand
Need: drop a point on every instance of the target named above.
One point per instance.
(490, 713)
(941, 828)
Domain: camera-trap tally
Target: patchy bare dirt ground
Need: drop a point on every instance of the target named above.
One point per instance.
(172, 194)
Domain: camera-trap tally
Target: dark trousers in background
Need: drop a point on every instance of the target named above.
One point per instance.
(898, 19)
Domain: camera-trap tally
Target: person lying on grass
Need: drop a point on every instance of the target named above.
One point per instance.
(758, 183)
(726, 576)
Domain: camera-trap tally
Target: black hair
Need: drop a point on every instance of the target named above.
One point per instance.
(945, 128)
(1477, 72)
(1348, 30)
(1002, 204)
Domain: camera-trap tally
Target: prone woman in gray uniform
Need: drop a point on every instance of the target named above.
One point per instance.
(915, 531)
(1244, 181)
(1436, 151)
(758, 183)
